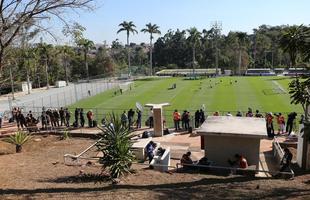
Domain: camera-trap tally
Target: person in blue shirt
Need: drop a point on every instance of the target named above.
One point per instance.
(150, 148)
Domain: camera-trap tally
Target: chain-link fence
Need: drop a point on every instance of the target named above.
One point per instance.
(103, 113)
(62, 97)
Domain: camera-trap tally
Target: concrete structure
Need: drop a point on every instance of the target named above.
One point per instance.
(162, 163)
(139, 148)
(60, 84)
(25, 86)
(223, 137)
(303, 147)
(158, 118)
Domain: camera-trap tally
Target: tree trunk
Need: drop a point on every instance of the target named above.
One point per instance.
(46, 72)
(194, 61)
(66, 70)
(28, 81)
(239, 66)
(151, 57)
(129, 70)
(86, 65)
(12, 83)
(18, 148)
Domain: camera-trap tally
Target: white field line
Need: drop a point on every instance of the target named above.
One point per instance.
(279, 86)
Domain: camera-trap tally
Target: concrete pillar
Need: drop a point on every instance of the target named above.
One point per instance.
(158, 122)
(158, 118)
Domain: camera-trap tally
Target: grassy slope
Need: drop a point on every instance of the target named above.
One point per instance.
(190, 95)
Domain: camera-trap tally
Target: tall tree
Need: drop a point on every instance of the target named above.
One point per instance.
(45, 53)
(86, 45)
(151, 29)
(14, 14)
(129, 27)
(292, 41)
(242, 37)
(194, 40)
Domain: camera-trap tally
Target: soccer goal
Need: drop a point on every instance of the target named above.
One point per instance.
(126, 86)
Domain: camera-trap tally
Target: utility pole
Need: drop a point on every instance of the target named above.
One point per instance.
(217, 26)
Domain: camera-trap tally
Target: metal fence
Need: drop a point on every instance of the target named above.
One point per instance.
(62, 97)
(101, 113)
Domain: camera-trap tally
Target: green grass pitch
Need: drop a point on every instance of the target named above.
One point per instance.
(267, 94)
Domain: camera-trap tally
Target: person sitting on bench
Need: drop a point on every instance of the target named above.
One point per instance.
(186, 159)
(239, 162)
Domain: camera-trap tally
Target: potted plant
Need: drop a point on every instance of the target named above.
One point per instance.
(18, 139)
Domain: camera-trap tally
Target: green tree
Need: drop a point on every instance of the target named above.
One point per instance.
(45, 56)
(86, 45)
(151, 29)
(194, 40)
(292, 41)
(128, 27)
(115, 144)
(242, 38)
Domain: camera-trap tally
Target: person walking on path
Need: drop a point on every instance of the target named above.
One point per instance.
(76, 117)
(67, 116)
(176, 119)
(281, 123)
(82, 119)
(202, 117)
(90, 117)
(197, 118)
(286, 160)
(139, 119)
(62, 116)
(124, 119)
(289, 124)
(151, 118)
(130, 115)
(269, 125)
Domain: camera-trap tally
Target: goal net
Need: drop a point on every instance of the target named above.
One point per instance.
(126, 86)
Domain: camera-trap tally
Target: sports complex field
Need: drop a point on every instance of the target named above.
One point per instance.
(267, 94)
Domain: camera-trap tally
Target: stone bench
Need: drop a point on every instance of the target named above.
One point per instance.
(161, 163)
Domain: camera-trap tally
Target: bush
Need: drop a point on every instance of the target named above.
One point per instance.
(115, 145)
(18, 139)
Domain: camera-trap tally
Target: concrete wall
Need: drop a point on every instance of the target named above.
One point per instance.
(220, 148)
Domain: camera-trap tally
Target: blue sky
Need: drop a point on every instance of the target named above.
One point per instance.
(236, 15)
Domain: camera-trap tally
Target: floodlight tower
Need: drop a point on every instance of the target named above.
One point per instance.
(217, 27)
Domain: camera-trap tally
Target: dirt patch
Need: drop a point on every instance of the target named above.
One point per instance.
(39, 173)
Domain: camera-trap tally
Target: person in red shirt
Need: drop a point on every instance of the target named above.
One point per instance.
(281, 124)
(176, 119)
(269, 125)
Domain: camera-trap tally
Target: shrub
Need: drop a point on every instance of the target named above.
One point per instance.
(115, 145)
(18, 139)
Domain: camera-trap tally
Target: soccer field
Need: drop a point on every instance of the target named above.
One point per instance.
(267, 94)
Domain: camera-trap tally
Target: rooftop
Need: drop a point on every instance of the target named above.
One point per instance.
(238, 126)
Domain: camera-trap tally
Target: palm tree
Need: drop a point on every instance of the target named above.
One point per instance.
(45, 51)
(292, 41)
(194, 40)
(66, 51)
(242, 37)
(151, 29)
(129, 27)
(86, 46)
